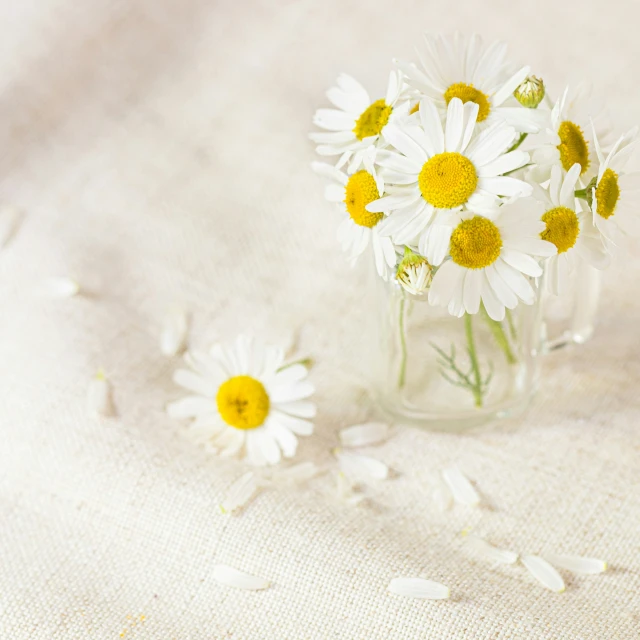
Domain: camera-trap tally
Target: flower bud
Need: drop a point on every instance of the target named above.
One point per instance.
(414, 273)
(530, 93)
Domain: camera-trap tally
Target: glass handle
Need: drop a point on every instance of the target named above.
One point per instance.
(572, 322)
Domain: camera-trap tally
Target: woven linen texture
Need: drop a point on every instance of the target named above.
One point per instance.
(158, 152)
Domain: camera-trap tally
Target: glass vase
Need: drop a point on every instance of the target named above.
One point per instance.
(440, 372)
(571, 318)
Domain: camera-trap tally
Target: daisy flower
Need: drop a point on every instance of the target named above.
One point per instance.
(615, 191)
(490, 262)
(456, 68)
(570, 230)
(245, 397)
(359, 227)
(444, 171)
(358, 122)
(567, 138)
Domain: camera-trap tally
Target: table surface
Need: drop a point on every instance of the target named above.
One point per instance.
(158, 152)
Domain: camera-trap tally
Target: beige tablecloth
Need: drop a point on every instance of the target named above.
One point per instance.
(158, 152)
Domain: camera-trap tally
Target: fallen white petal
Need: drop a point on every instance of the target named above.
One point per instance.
(9, 219)
(442, 496)
(488, 552)
(230, 577)
(418, 588)
(61, 287)
(362, 435)
(99, 402)
(240, 492)
(296, 473)
(460, 487)
(346, 492)
(542, 571)
(354, 464)
(174, 332)
(577, 564)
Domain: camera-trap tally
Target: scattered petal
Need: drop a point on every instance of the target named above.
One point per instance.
(99, 401)
(542, 571)
(362, 435)
(9, 220)
(577, 564)
(295, 474)
(61, 287)
(488, 552)
(442, 496)
(354, 464)
(460, 487)
(240, 492)
(174, 332)
(418, 588)
(346, 490)
(230, 577)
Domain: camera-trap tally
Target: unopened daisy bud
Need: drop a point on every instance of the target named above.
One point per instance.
(414, 273)
(530, 93)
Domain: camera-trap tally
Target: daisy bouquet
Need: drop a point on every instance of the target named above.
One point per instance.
(473, 188)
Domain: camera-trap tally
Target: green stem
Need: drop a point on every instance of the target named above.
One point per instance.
(307, 362)
(473, 356)
(512, 326)
(518, 142)
(403, 344)
(500, 336)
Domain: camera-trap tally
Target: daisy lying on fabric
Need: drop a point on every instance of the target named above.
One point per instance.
(245, 398)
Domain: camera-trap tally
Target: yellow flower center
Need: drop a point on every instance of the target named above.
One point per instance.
(243, 402)
(372, 120)
(475, 243)
(447, 180)
(468, 93)
(359, 192)
(562, 228)
(573, 146)
(607, 193)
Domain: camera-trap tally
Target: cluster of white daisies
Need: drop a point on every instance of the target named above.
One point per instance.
(469, 183)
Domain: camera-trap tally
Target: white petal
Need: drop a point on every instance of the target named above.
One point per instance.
(99, 402)
(230, 577)
(296, 474)
(542, 571)
(346, 492)
(418, 588)
(9, 221)
(174, 332)
(298, 426)
(488, 552)
(460, 487)
(442, 496)
(61, 287)
(301, 409)
(577, 564)
(191, 406)
(354, 464)
(362, 435)
(194, 382)
(240, 492)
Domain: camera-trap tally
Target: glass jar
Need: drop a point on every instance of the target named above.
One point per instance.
(570, 318)
(445, 373)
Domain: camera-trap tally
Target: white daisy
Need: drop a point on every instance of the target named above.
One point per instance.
(358, 121)
(359, 227)
(615, 193)
(246, 397)
(569, 229)
(469, 70)
(567, 139)
(490, 262)
(445, 171)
